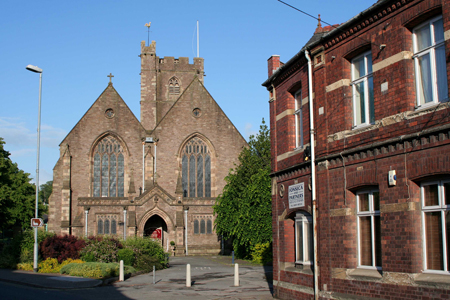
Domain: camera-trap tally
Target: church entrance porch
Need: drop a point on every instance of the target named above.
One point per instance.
(156, 228)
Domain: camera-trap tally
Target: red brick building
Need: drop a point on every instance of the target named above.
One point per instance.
(361, 187)
(158, 176)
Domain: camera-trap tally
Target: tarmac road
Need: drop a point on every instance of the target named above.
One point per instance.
(212, 277)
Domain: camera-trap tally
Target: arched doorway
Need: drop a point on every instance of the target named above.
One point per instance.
(156, 228)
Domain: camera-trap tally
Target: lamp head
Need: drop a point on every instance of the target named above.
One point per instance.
(34, 69)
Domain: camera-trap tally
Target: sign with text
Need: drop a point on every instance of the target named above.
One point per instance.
(297, 195)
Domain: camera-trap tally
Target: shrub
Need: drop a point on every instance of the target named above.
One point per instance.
(146, 247)
(25, 266)
(26, 255)
(61, 247)
(145, 263)
(51, 265)
(101, 249)
(10, 254)
(48, 265)
(27, 242)
(89, 257)
(127, 255)
(95, 270)
(262, 253)
(7, 260)
(20, 249)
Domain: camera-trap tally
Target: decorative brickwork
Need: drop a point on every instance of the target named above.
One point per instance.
(405, 136)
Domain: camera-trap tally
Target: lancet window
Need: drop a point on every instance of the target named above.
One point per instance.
(196, 169)
(174, 86)
(108, 168)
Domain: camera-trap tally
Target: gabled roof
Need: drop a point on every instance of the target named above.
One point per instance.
(109, 87)
(318, 37)
(195, 80)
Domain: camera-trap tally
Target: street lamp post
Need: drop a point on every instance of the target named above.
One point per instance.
(37, 70)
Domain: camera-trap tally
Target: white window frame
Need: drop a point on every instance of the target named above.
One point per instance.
(370, 213)
(442, 208)
(306, 243)
(365, 79)
(431, 50)
(298, 120)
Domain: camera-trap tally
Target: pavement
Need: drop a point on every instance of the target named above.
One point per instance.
(212, 277)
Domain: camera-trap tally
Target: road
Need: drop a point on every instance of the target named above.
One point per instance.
(212, 278)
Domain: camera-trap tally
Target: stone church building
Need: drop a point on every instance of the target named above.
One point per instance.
(157, 177)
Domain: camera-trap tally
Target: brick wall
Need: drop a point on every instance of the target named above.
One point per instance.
(415, 143)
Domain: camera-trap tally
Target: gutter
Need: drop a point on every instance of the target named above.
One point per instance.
(325, 36)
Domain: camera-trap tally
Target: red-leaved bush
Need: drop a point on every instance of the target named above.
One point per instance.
(61, 247)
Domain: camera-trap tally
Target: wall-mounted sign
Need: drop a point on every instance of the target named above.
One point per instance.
(297, 195)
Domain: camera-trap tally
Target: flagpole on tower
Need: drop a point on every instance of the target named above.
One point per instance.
(198, 42)
(148, 34)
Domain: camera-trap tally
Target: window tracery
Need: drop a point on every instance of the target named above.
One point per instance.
(196, 168)
(108, 175)
(107, 224)
(174, 86)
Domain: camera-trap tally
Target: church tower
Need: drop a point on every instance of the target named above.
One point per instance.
(163, 80)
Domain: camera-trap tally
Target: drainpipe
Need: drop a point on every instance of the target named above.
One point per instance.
(313, 174)
(143, 166)
(186, 228)
(124, 223)
(86, 212)
(154, 175)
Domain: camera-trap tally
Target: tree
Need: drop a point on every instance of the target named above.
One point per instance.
(45, 190)
(17, 194)
(244, 210)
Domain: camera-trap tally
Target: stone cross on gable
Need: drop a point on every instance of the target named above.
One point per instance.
(110, 77)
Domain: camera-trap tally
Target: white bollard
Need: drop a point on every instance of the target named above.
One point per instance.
(188, 275)
(121, 271)
(236, 274)
(153, 274)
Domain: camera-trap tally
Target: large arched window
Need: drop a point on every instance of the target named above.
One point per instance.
(196, 169)
(108, 168)
(174, 86)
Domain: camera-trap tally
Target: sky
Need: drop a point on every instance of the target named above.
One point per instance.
(78, 43)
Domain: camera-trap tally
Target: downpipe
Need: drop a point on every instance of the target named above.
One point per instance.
(313, 174)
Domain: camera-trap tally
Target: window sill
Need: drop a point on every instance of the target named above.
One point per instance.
(362, 126)
(298, 268)
(432, 279)
(366, 273)
(307, 271)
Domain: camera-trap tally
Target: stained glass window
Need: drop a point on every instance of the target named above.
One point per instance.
(209, 226)
(196, 169)
(107, 224)
(100, 226)
(109, 168)
(202, 226)
(196, 231)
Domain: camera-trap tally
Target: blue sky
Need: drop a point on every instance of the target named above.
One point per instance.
(78, 43)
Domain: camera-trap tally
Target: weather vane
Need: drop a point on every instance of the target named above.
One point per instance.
(148, 26)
